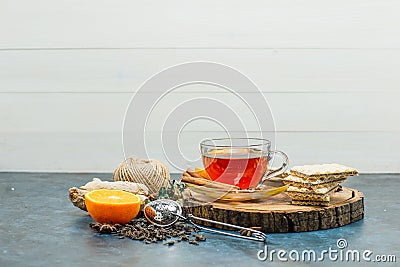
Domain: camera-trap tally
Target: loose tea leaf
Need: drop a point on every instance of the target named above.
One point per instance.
(169, 243)
(193, 241)
(141, 229)
(199, 237)
(245, 232)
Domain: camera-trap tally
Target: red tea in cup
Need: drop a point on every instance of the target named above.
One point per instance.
(244, 170)
(239, 161)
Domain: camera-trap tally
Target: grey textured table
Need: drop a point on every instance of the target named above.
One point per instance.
(40, 227)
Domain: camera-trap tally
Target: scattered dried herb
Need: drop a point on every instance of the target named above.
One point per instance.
(199, 237)
(169, 243)
(173, 190)
(141, 229)
(248, 233)
(193, 241)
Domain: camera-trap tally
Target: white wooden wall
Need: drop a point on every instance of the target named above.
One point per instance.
(329, 69)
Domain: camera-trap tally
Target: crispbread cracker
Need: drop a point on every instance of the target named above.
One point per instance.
(318, 191)
(308, 197)
(305, 194)
(312, 185)
(322, 171)
(320, 178)
(300, 182)
(315, 187)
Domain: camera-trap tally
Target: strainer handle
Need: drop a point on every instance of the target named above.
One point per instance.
(255, 234)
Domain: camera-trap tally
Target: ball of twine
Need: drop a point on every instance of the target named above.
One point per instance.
(152, 173)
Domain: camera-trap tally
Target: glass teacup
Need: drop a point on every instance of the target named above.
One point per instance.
(242, 162)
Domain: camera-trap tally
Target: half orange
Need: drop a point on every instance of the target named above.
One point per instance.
(112, 206)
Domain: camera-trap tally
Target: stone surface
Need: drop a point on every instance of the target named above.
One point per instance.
(40, 227)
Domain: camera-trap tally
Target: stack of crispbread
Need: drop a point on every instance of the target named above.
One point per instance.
(312, 185)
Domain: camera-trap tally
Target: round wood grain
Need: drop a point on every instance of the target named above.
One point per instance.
(277, 215)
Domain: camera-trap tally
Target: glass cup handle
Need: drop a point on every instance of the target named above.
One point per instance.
(281, 169)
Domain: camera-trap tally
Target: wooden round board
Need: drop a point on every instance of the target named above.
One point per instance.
(277, 215)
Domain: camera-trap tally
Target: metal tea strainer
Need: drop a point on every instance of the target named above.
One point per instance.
(166, 212)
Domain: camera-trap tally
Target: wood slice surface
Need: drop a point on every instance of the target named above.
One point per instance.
(277, 215)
